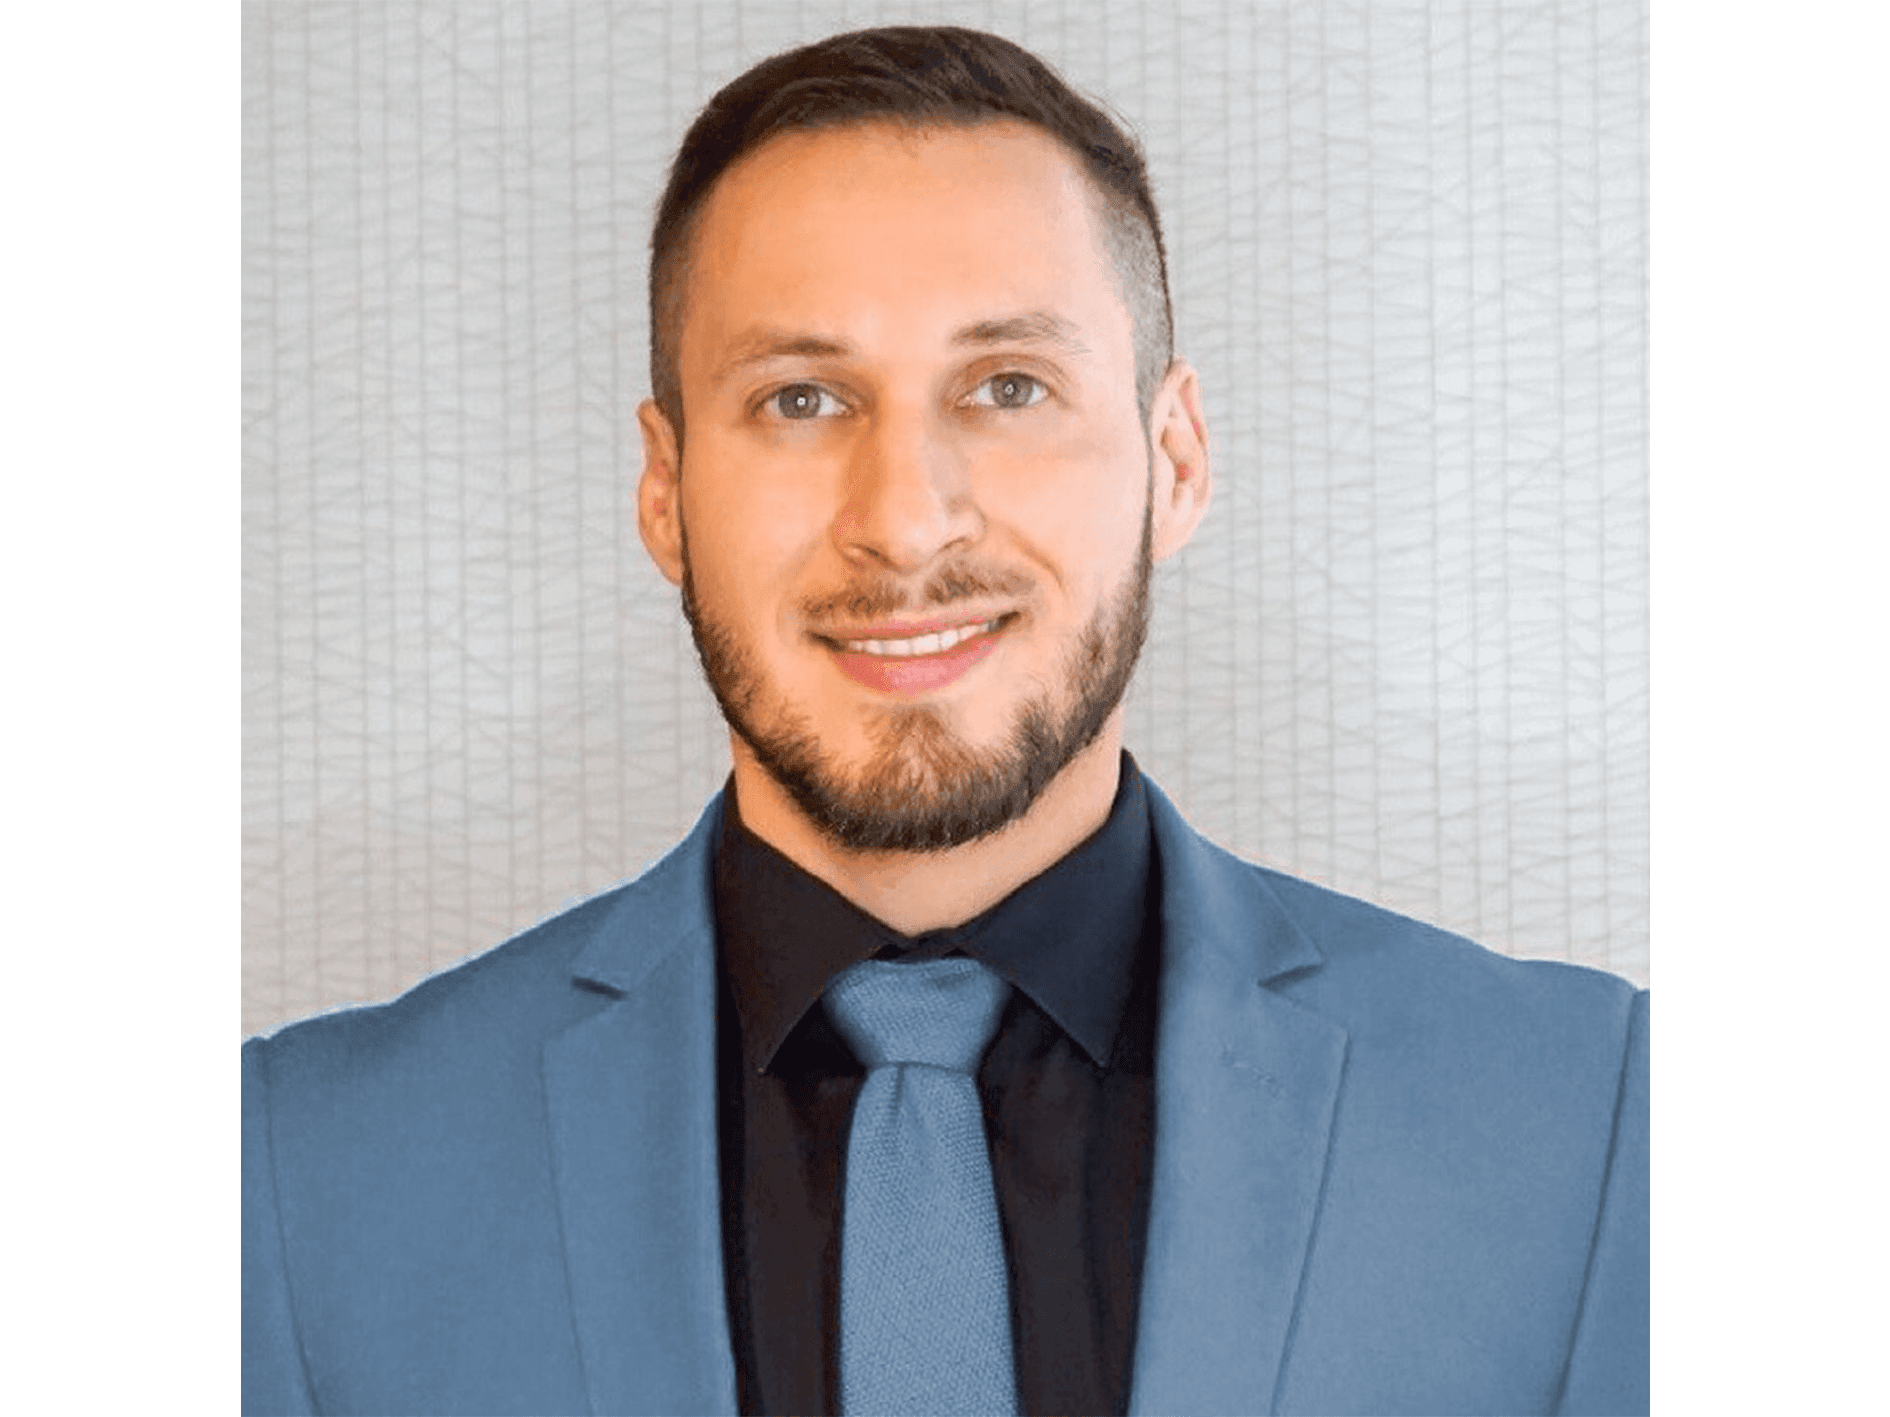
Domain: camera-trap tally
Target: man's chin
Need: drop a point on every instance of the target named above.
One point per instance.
(922, 788)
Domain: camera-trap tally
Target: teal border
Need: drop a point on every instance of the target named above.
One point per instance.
(1769, 650)
(118, 543)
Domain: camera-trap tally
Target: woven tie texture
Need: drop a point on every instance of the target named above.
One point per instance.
(925, 1320)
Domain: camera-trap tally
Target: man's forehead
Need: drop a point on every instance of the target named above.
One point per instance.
(881, 210)
(868, 171)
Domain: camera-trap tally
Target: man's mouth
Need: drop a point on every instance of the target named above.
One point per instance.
(908, 660)
(911, 646)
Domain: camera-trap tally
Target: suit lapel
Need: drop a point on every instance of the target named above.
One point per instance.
(1247, 1083)
(631, 1096)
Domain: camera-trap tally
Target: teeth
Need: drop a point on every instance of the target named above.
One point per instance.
(936, 643)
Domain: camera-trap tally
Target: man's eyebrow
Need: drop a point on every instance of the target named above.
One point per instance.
(1031, 327)
(763, 345)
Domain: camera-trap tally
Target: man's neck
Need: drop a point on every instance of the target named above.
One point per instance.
(918, 891)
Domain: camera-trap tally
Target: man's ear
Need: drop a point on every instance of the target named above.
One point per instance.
(659, 493)
(1178, 450)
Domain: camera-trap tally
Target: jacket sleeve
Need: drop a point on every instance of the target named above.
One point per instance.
(1608, 1364)
(274, 1380)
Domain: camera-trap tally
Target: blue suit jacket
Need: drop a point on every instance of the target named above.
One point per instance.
(1394, 1173)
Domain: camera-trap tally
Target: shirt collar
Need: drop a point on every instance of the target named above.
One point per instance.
(1068, 938)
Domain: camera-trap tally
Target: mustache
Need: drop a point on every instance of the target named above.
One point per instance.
(883, 596)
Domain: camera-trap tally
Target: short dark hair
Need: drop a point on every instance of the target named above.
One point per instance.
(928, 76)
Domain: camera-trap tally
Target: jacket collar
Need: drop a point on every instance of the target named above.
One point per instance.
(1247, 1084)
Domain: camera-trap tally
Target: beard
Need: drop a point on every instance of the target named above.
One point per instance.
(924, 788)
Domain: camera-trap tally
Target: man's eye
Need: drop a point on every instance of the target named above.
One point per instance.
(1009, 391)
(804, 401)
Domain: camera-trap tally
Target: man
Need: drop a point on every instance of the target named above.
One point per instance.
(1216, 1140)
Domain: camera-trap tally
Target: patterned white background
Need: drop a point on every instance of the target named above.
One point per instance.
(1405, 656)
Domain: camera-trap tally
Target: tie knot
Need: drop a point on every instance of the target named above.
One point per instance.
(940, 1012)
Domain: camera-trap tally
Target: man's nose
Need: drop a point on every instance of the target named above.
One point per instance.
(909, 496)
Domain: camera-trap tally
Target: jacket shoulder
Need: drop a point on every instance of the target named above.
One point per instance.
(1539, 1053)
(1361, 941)
(501, 1005)
(1355, 962)
(402, 1216)
(516, 991)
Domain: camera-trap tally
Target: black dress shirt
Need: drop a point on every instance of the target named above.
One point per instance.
(1067, 1086)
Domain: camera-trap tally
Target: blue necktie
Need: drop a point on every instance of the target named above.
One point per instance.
(925, 1314)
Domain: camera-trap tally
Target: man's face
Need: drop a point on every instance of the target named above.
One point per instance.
(912, 521)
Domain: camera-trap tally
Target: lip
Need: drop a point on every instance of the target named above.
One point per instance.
(906, 676)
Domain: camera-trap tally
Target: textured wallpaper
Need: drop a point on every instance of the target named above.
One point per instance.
(1406, 655)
